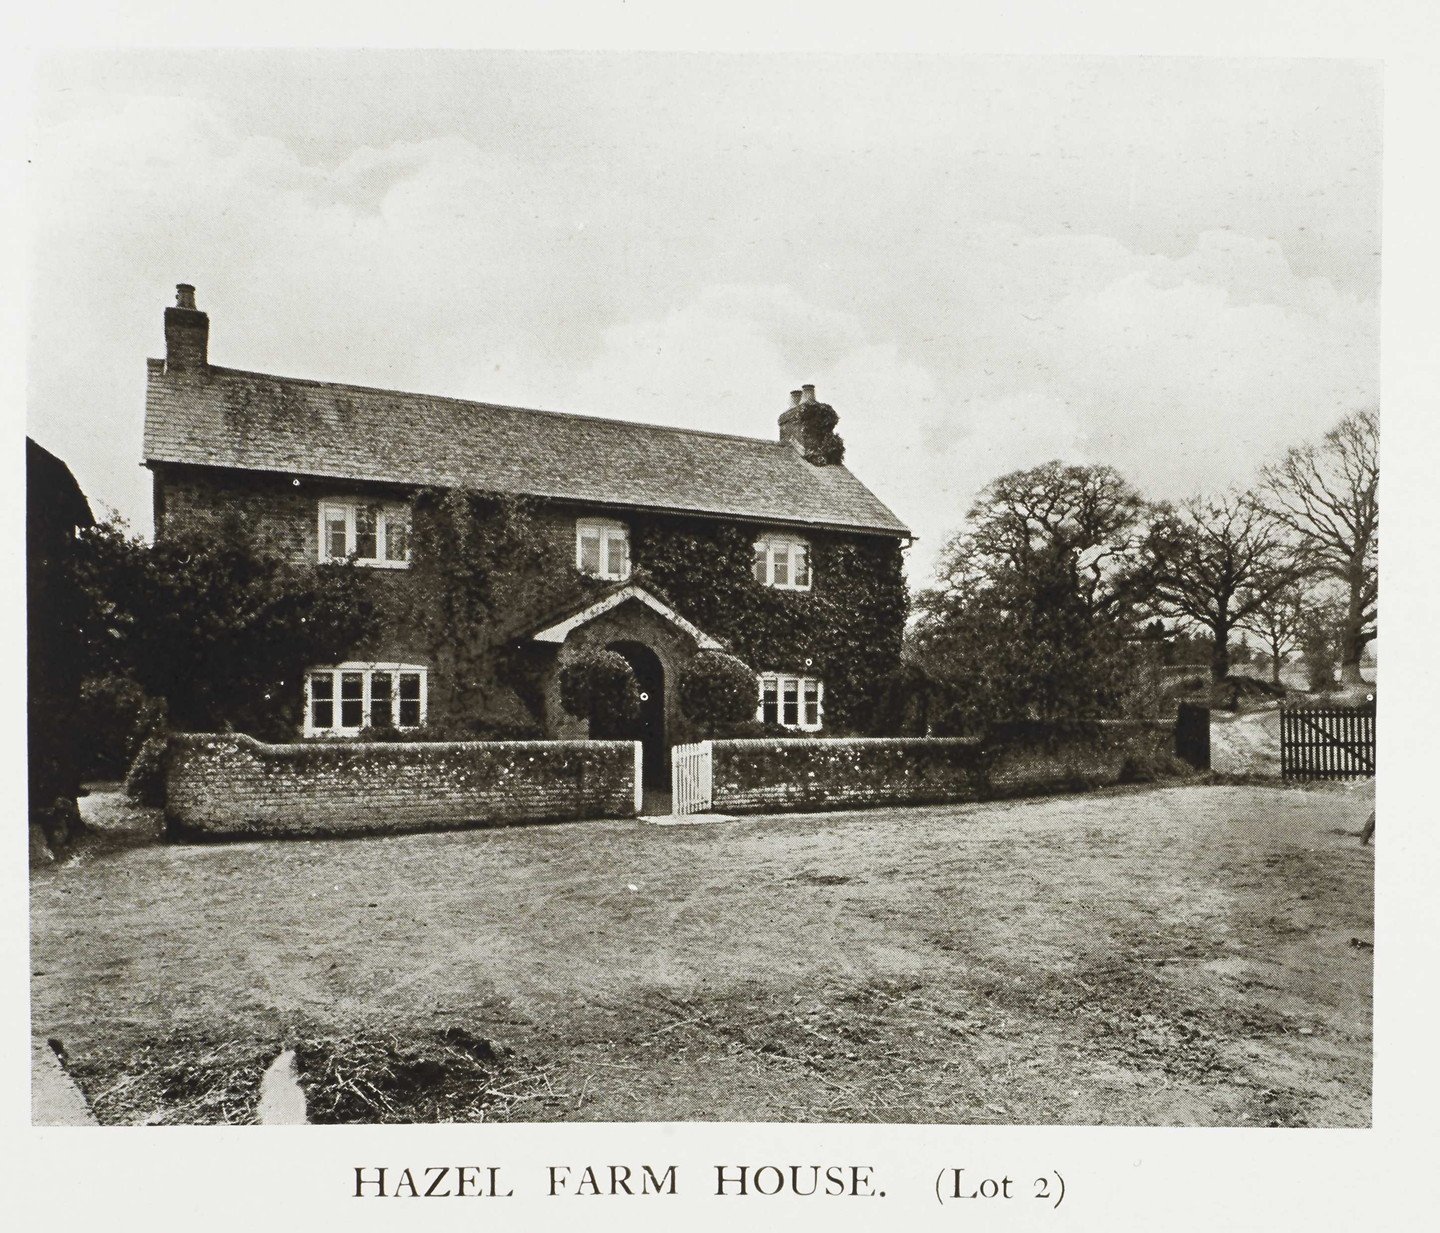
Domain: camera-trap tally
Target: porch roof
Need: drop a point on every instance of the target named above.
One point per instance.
(557, 627)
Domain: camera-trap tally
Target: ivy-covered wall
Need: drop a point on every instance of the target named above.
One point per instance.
(846, 630)
(486, 569)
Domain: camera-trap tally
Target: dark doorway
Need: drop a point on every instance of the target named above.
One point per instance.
(649, 727)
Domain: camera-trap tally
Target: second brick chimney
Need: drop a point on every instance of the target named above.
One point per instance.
(187, 334)
(809, 427)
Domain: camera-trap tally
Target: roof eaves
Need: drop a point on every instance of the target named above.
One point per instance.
(897, 530)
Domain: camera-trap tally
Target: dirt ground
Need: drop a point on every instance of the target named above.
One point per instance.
(1247, 743)
(1195, 955)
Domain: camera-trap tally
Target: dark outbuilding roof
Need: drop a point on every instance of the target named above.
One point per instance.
(53, 498)
(223, 417)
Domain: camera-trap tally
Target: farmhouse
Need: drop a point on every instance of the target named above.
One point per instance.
(655, 542)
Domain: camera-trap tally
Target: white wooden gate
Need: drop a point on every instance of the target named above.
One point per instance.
(690, 778)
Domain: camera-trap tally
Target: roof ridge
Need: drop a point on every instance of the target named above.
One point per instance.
(500, 406)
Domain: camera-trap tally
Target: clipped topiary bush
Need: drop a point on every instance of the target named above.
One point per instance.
(599, 686)
(718, 692)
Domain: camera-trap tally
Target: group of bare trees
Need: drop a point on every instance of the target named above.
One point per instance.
(1292, 561)
(1215, 563)
(1039, 600)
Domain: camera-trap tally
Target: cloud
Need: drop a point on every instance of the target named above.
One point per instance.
(965, 304)
(1183, 372)
(725, 359)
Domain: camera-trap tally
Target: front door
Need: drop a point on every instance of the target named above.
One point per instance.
(649, 727)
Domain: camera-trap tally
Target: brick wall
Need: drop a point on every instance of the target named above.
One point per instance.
(1012, 760)
(1027, 758)
(761, 775)
(235, 786)
(282, 515)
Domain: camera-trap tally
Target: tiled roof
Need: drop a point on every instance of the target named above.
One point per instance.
(229, 418)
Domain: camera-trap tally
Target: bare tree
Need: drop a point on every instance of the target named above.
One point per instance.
(1276, 622)
(1215, 561)
(1328, 495)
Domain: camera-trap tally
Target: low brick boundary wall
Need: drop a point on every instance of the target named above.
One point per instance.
(1024, 759)
(749, 776)
(233, 786)
(754, 776)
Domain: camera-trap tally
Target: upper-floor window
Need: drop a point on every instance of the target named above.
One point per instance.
(349, 698)
(602, 548)
(791, 701)
(783, 561)
(370, 532)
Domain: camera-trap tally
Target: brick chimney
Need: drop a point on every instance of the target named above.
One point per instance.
(187, 333)
(808, 427)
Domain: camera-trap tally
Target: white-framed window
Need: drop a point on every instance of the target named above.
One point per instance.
(348, 698)
(791, 701)
(602, 548)
(783, 561)
(371, 532)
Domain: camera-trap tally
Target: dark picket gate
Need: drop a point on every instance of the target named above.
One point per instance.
(1327, 742)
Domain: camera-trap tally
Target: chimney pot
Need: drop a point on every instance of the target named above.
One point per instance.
(187, 334)
(808, 427)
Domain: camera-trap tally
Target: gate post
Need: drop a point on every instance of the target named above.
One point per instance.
(639, 778)
(1192, 735)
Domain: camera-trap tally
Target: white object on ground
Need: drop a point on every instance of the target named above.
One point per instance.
(282, 1099)
(686, 819)
(54, 1098)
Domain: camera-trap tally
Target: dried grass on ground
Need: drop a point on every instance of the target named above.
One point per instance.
(1179, 955)
(446, 1076)
(177, 1079)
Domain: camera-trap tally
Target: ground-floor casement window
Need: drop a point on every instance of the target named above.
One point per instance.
(791, 701)
(349, 698)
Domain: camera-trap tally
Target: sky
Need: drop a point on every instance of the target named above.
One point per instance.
(1167, 265)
